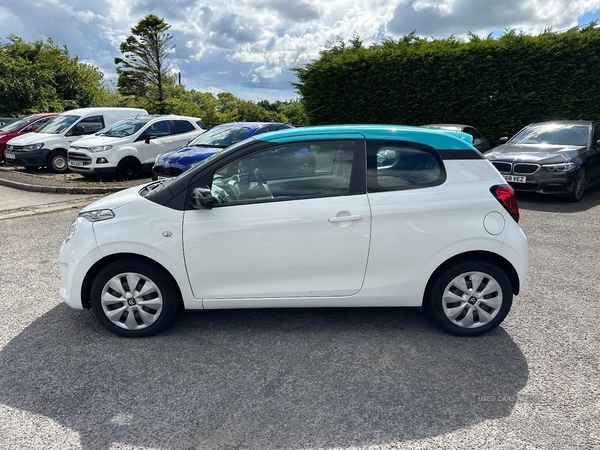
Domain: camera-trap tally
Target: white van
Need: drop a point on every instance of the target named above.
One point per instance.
(131, 146)
(48, 147)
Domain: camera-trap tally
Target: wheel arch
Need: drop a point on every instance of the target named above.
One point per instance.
(91, 275)
(503, 263)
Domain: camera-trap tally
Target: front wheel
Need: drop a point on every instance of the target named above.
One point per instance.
(470, 298)
(128, 169)
(580, 182)
(57, 162)
(134, 298)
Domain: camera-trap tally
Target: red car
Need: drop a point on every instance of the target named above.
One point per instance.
(22, 126)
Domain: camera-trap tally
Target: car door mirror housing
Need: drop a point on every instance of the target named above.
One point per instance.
(503, 140)
(149, 137)
(202, 198)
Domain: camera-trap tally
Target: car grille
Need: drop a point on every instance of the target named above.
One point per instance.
(80, 157)
(519, 168)
(167, 171)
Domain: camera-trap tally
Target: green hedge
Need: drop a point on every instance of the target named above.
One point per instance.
(497, 85)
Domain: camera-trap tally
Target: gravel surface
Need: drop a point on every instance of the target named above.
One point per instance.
(304, 379)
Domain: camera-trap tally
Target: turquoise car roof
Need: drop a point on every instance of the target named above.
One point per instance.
(438, 139)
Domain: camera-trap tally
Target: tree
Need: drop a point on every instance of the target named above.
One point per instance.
(143, 70)
(42, 77)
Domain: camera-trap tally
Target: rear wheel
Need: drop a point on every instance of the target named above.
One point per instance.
(580, 182)
(134, 298)
(57, 162)
(470, 298)
(128, 169)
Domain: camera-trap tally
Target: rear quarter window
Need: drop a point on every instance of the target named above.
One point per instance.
(183, 126)
(402, 165)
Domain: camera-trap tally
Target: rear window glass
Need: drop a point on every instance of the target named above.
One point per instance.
(183, 126)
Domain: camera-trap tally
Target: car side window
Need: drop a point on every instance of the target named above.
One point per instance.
(286, 172)
(89, 125)
(596, 135)
(160, 128)
(395, 166)
(183, 126)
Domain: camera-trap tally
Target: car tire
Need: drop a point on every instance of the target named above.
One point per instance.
(121, 309)
(57, 162)
(128, 169)
(470, 297)
(579, 188)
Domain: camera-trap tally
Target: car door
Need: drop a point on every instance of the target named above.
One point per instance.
(308, 237)
(160, 134)
(593, 158)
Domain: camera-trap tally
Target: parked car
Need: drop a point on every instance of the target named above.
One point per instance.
(130, 146)
(6, 120)
(479, 142)
(48, 147)
(437, 228)
(556, 157)
(22, 126)
(173, 163)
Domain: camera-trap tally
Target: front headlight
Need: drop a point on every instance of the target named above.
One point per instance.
(98, 215)
(562, 167)
(100, 148)
(30, 147)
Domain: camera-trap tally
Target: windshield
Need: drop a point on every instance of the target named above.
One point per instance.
(58, 125)
(123, 128)
(18, 123)
(221, 136)
(552, 134)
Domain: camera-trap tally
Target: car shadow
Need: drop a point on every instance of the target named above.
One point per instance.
(549, 203)
(258, 379)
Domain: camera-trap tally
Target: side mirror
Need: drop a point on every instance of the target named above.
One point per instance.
(148, 137)
(202, 198)
(503, 140)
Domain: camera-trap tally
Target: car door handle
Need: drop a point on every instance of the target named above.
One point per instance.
(350, 218)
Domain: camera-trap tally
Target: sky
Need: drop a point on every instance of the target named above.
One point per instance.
(247, 47)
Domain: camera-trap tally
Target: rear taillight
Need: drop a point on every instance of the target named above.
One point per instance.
(506, 196)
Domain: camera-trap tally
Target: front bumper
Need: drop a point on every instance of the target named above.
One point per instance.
(31, 158)
(75, 258)
(542, 181)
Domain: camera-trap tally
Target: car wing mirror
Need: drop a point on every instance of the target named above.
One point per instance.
(503, 140)
(202, 198)
(149, 137)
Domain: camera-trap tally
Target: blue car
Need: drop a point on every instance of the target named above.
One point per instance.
(175, 162)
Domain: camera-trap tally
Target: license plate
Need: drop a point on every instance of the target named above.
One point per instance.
(75, 163)
(9, 156)
(514, 179)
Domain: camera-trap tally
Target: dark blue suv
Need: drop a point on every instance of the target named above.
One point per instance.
(174, 162)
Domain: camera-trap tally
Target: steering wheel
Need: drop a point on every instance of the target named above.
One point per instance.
(262, 182)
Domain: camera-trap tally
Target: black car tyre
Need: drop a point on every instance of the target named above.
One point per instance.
(579, 188)
(57, 162)
(134, 298)
(470, 297)
(128, 169)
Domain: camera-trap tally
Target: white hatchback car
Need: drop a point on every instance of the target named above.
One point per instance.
(393, 216)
